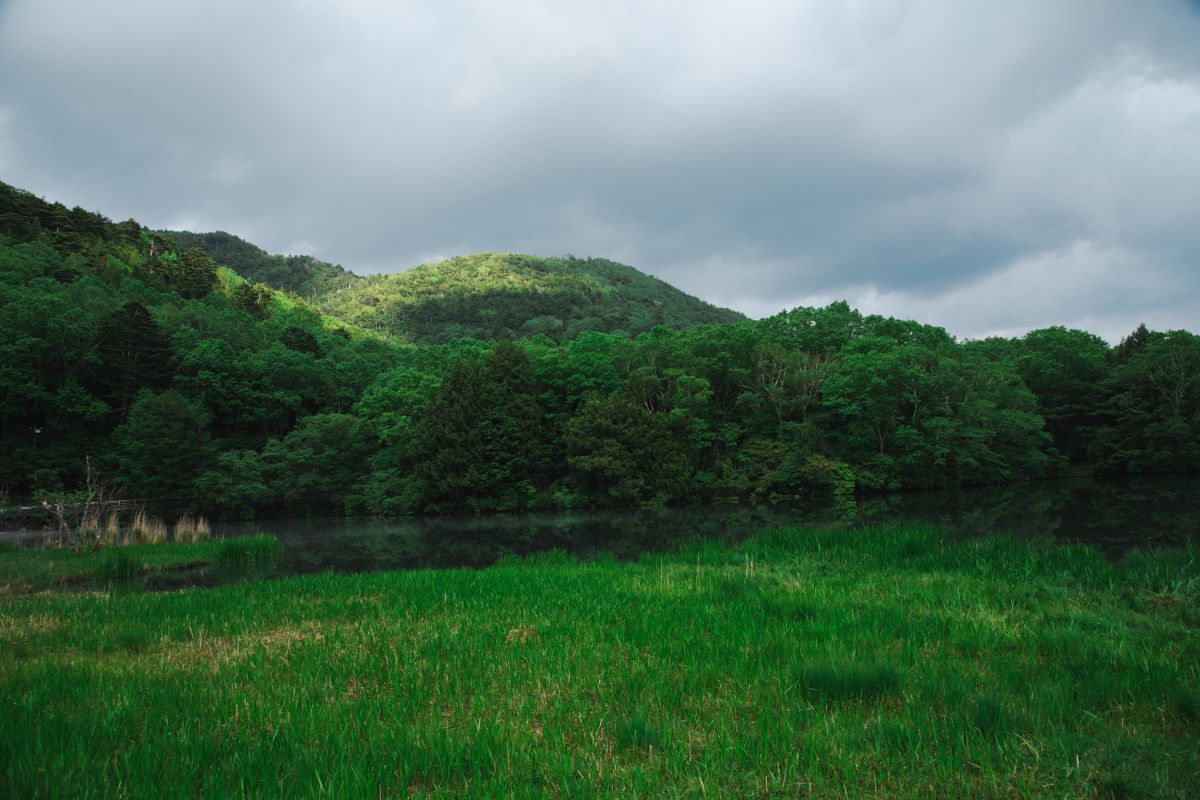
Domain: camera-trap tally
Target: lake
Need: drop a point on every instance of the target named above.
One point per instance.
(1114, 514)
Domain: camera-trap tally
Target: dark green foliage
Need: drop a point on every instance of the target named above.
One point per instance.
(447, 446)
(637, 733)
(622, 453)
(163, 447)
(236, 486)
(134, 354)
(989, 716)
(302, 275)
(1187, 704)
(118, 564)
(1132, 344)
(317, 465)
(1154, 410)
(300, 340)
(1066, 371)
(254, 299)
(915, 415)
(201, 390)
(483, 442)
(195, 274)
(832, 682)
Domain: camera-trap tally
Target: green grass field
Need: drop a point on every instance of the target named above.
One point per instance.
(879, 663)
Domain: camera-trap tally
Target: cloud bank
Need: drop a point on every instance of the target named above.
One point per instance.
(988, 167)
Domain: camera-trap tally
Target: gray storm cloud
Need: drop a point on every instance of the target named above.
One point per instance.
(988, 167)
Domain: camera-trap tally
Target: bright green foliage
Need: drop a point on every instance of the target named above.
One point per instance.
(884, 663)
(247, 552)
(504, 296)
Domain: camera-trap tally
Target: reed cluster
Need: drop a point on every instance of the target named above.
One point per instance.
(192, 528)
(147, 529)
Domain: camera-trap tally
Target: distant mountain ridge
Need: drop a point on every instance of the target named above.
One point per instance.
(486, 295)
(305, 276)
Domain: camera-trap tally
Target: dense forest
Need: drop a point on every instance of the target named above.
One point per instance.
(512, 382)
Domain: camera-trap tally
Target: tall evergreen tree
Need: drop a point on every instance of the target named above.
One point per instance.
(134, 355)
(195, 274)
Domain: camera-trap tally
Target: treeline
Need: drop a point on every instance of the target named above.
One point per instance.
(179, 380)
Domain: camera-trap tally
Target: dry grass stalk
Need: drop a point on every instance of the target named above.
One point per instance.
(185, 528)
(148, 529)
(112, 530)
(89, 526)
(191, 529)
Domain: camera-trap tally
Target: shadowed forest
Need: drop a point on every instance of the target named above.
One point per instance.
(202, 374)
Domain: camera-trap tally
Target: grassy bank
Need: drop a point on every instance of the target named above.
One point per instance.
(28, 571)
(882, 663)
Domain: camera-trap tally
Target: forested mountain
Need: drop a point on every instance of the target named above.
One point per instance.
(484, 296)
(305, 276)
(184, 383)
(505, 296)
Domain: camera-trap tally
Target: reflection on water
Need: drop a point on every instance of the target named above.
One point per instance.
(1113, 514)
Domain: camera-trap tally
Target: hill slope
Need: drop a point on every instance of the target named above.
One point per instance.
(304, 275)
(501, 295)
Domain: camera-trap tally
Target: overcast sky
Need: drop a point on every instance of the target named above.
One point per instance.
(987, 166)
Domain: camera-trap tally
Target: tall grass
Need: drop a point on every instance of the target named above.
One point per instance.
(883, 663)
(248, 552)
(118, 564)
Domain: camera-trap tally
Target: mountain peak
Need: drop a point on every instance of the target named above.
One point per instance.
(494, 295)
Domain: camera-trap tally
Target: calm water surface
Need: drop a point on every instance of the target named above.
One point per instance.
(1115, 515)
